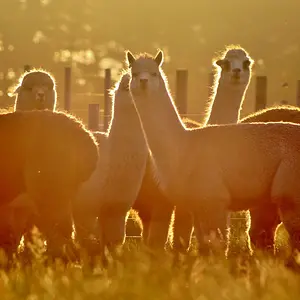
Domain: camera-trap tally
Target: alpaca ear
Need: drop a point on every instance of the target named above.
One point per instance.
(159, 58)
(219, 62)
(130, 58)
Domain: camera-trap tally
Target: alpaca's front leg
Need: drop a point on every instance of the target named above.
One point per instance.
(264, 221)
(159, 225)
(55, 221)
(112, 220)
(211, 230)
(182, 231)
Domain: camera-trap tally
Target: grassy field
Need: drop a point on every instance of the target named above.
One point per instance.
(138, 274)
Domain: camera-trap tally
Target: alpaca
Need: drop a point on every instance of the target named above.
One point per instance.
(46, 156)
(231, 80)
(265, 218)
(110, 192)
(222, 167)
(233, 86)
(36, 90)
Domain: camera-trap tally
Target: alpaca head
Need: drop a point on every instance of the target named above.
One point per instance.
(145, 72)
(37, 86)
(234, 67)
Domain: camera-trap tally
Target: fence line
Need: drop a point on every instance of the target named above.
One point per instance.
(181, 96)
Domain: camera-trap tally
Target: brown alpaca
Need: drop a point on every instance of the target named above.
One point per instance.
(46, 157)
(218, 168)
(265, 218)
(36, 90)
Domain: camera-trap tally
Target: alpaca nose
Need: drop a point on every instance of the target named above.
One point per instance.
(143, 82)
(40, 96)
(236, 71)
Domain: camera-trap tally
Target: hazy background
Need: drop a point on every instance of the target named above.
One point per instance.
(92, 35)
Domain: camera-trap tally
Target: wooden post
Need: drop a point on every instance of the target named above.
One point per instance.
(107, 102)
(261, 93)
(298, 93)
(67, 104)
(93, 119)
(181, 91)
(27, 68)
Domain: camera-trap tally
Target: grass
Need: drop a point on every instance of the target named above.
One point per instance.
(138, 274)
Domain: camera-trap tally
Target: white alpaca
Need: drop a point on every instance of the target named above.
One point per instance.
(36, 90)
(113, 187)
(231, 81)
(218, 168)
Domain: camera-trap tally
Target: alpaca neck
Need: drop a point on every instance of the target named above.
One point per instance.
(226, 105)
(161, 125)
(125, 121)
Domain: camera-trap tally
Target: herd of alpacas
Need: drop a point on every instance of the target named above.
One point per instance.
(56, 174)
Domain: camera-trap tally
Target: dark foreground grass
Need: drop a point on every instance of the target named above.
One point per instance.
(138, 274)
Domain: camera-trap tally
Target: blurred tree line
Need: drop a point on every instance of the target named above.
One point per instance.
(91, 35)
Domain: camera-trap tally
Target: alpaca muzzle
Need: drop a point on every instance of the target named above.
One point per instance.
(40, 96)
(144, 83)
(236, 74)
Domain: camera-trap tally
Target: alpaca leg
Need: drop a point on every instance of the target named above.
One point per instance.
(159, 225)
(55, 221)
(112, 228)
(182, 230)
(285, 193)
(113, 225)
(264, 221)
(58, 234)
(211, 230)
(145, 216)
(85, 222)
(289, 214)
(8, 239)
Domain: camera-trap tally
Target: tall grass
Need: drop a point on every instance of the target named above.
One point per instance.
(137, 273)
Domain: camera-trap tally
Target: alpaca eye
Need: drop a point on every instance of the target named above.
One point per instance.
(134, 75)
(246, 64)
(154, 74)
(226, 65)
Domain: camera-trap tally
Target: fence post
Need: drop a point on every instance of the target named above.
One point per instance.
(298, 93)
(107, 102)
(93, 116)
(261, 93)
(181, 90)
(67, 104)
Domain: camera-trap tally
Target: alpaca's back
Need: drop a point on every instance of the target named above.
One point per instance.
(60, 145)
(275, 114)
